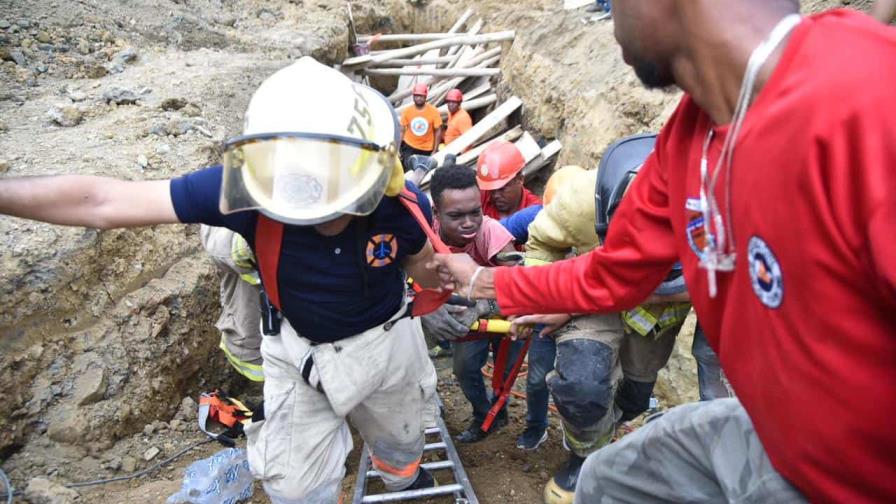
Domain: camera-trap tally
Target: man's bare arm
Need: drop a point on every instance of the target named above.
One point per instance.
(415, 265)
(81, 200)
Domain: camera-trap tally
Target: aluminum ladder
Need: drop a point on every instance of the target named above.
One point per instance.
(461, 489)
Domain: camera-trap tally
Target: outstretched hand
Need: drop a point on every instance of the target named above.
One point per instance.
(521, 327)
(454, 270)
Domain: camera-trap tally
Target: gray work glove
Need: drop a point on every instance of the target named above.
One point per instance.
(449, 322)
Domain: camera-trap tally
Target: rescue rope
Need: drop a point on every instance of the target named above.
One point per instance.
(17, 493)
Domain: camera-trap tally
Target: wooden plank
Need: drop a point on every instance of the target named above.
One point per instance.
(435, 72)
(435, 44)
(528, 147)
(440, 60)
(473, 154)
(480, 129)
(461, 21)
(402, 37)
(437, 94)
(470, 105)
(406, 91)
(543, 159)
(457, 50)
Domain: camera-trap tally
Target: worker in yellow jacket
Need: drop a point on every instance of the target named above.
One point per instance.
(606, 364)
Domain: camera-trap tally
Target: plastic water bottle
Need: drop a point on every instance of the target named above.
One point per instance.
(223, 478)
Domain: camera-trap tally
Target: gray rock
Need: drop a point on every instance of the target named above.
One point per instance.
(121, 59)
(113, 464)
(4, 24)
(149, 429)
(173, 103)
(46, 47)
(143, 161)
(187, 411)
(90, 386)
(23, 23)
(65, 115)
(41, 68)
(43, 36)
(178, 127)
(43, 491)
(192, 110)
(71, 428)
(128, 464)
(77, 96)
(17, 56)
(151, 453)
(120, 96)
(83, 46)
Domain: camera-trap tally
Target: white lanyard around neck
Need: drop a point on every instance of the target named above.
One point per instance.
(719, 253)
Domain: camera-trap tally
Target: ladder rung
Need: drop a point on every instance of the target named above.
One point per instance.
(432, 430)
(429, 466)
(434, 446)
(414, 494)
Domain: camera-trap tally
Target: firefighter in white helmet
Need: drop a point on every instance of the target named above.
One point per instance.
(313, 185)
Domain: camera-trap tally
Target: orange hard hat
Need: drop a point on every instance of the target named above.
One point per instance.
(498, 164)
(420, 90)
(454, 96)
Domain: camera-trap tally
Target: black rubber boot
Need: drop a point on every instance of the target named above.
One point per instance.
(562, 487)
(424, 480)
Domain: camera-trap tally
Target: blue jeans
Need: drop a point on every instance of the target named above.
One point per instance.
(604, 4)
(542, 353)
(469, 357)
(709, 370)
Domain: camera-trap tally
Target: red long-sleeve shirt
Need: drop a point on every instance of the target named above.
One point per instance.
(805, 326)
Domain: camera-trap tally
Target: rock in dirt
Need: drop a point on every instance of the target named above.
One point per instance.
(65, 115)
(90, 387)
(4, 166)
(173, 104)
(4, 24)
(151, 453)
(143, 161)
(121, 59)
(128, 464)
(77, 96)
(120, 96)
(70, 428)
(43, 491)
(18, 57)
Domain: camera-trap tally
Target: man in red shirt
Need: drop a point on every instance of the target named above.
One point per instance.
(499, 173)
(787, 245)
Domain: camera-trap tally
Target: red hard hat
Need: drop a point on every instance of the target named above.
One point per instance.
(454, 96)
(498, 164)
(421, 89)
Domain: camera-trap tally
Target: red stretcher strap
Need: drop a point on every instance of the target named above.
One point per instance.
(426, 300)
(268, 241)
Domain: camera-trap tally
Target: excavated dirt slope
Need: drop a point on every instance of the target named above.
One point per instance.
(104, 335)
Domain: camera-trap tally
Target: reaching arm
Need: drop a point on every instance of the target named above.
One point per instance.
(438, 140)
(80, 200)
(415, 266)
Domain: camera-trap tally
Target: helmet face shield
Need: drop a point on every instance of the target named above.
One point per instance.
(304, 179)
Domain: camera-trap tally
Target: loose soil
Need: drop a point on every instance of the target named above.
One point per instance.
(106, 335)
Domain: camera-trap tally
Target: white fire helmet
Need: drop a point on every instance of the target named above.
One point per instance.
(315, 146)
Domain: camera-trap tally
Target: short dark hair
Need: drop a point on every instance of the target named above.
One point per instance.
(450, 177)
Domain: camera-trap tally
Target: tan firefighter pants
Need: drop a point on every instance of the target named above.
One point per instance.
(381, 379)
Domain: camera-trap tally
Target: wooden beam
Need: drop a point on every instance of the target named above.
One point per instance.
(402, 37)
(528, 147)
(544, 158)
(441, 60)
(473, 154)
(422, 48)
(474, 104)
(480, 129)
(456, 50)
(405, 92)
(435, 72)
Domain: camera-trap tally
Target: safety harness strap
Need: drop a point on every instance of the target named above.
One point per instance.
(268, 241)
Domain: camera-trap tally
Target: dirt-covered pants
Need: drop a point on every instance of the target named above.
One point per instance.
(700, 452)
(602, 375)
(382, 379)
(240, 318)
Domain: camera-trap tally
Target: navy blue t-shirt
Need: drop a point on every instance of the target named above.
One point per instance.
(331, 287)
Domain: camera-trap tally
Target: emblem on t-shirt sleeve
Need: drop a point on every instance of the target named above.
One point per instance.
(765, 273)
(419, 126)
(696, 228)
(381, 250)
